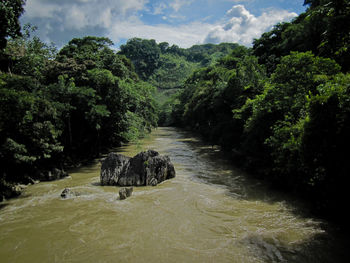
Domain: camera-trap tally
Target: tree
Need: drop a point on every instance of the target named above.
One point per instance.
(312, 3)
(273, 131)
(325, 142)
(323, 29)
(144, 54)
(29, 56)
(163, 46)
(85, 48)
(79, 56)
(211, 94)
(29, 128)
(336, 38)
(10, 11)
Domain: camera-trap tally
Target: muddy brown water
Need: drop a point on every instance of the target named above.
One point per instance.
(211, 212)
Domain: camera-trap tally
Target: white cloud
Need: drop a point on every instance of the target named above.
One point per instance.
(78, 18)
(40, 9)
(159, 9)
(78, 14)
(120, 19)
(242, 26)
(183, 35)
(177, 4)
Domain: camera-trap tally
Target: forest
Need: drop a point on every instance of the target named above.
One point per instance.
(280, 108)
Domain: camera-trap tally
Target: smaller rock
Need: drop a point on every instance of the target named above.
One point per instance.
(36, 181)
(125, 192)
(17, 189)
(153, 182)
(9, 190)
(68, 193)
(122, 193)
(65, 192)
(28, 180)
(129, 191)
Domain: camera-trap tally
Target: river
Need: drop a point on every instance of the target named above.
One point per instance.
(211, 212)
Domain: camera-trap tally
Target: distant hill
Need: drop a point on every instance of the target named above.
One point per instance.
(167, 67)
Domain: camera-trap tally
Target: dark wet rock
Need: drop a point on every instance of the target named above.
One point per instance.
(9, 190)
(112, 167)
(125, 192)
(153, 182)
(129, 191)
(122, 194)
(68, 193)
(29, 181)
(146, 168)
(51, 175)
(18, 188)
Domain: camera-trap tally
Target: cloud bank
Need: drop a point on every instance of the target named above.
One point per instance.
(61, 20)
(242, 27)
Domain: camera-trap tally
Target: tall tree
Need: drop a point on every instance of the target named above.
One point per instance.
(28, 55)
(144, 54)
(10, 11)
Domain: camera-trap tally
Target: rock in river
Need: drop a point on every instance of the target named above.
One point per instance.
(68, 193)
(125, 192)
(51, 175)
(146, 168)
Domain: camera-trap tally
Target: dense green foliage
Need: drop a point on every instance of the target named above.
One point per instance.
(167, 67)
(63, 107)
(144, 54)
(282, 107)
(324, 29)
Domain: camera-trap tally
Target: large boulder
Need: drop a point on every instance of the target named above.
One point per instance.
(146, 168)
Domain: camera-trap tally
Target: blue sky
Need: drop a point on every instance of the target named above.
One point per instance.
(180, 22)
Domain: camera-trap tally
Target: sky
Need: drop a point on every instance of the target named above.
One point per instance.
(181, 22)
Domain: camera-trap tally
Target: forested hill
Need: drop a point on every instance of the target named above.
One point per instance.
(281, 108)
(167, 67)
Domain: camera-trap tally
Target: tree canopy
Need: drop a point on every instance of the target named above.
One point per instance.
(10, 12)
